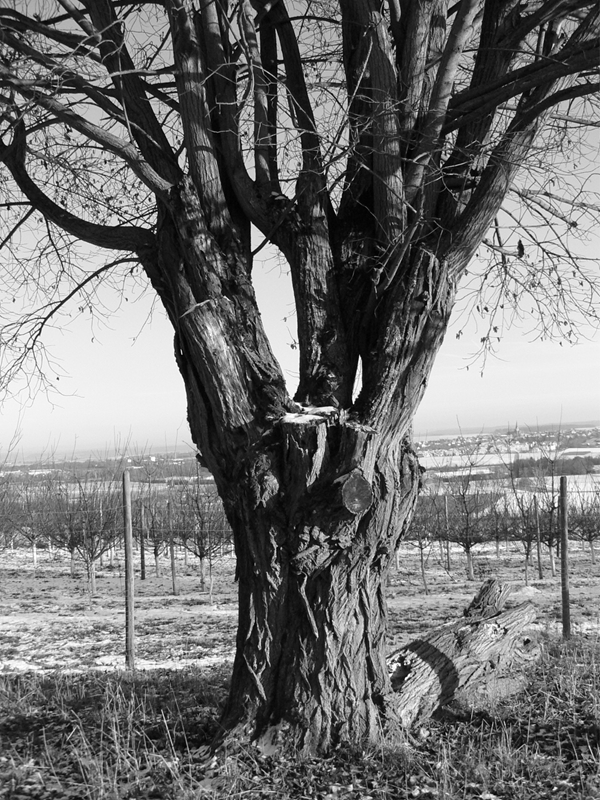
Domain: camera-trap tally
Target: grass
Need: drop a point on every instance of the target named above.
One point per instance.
(115, 736)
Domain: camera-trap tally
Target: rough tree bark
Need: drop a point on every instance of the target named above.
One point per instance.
(312, 571)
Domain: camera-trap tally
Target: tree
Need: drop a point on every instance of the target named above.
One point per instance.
(422, 532)
(584, 515)
(153, 523)
(470, 517)
(201, 523)
(26, 504)
(373, 144)
(87, 518)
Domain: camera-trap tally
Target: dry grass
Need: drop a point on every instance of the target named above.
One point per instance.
(116, 736)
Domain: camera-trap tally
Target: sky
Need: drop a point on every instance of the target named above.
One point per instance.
(120, 388)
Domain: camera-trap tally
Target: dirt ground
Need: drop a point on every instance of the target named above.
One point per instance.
(48, 621)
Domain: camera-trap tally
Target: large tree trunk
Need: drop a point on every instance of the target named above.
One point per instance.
(316, 517)
(318, 490)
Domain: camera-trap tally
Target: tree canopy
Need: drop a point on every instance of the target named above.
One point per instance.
(395, 122)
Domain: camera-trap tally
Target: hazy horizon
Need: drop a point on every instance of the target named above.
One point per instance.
(119, 384)
(20, 455)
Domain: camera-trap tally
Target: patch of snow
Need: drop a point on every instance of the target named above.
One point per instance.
(322, 411)
(112, 660)
(300, 419)
(525, 591)
(18, 665)
(310, 414)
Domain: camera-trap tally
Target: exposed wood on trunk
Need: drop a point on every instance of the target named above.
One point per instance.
(486, 643)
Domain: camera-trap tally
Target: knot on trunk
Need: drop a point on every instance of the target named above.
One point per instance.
(354, 492)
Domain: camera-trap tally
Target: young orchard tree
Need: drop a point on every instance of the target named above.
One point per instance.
(153, 523)
(584, 518)
(87, 519)
(470, 517)
(373, 143)
(26, 512)
(202, 527)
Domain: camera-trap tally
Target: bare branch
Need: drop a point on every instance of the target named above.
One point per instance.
(16, 227)
(117, 238)
(29, 90)
(467, 107)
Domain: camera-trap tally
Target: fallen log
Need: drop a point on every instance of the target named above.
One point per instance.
(462, 656)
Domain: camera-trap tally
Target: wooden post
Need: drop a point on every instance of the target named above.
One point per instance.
(129, 598)
(538, 537)
(142, 545)
(564, 558)
(447, 525)
(172, 549)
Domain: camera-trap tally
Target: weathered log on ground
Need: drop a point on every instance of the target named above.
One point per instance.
(484, 645)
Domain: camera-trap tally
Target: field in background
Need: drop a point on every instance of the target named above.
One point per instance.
(49, 621)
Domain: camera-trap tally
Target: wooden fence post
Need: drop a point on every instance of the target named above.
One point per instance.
(142, 543)
(564, 558)
(172, 548)
(447, 527)
(129, 597)
(538, 537)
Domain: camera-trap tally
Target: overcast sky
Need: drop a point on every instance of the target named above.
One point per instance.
(123, 387)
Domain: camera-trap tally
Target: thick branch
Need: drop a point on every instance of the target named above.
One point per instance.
(487, 198)
(222, 82)
(389, 205)
(412, 49)
(81, 20)
(144, 127)
(570, 93)
(268, 44)
(261, 135)
(512, 150)
(551, 11)
(195, 117)
(20, 22)
(312, 174)
(440, 96)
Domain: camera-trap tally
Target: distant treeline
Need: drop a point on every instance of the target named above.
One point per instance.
(531, 467)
